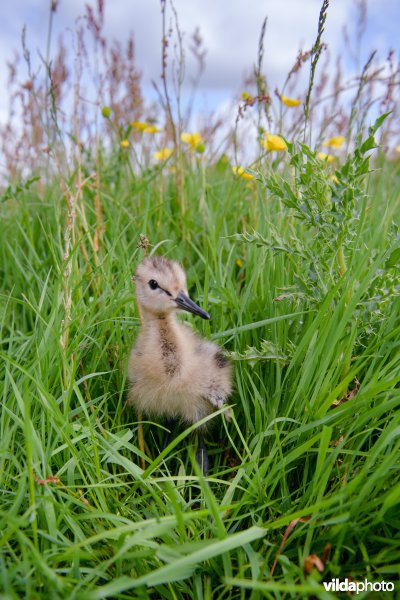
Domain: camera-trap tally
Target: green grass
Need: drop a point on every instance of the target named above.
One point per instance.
(108, 529)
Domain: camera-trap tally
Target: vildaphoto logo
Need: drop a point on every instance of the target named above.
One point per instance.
(335, 585)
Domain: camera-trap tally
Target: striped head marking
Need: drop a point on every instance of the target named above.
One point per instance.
(161, 287)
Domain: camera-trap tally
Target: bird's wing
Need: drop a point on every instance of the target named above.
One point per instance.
(217, 399)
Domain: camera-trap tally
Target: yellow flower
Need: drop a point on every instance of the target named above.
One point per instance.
(145, 127)
(151, 129)
(125, 144)
(246, 96)
(194, 140)
(239, 262)
(240, 172)
(335, 142)
(327, 157)
(290, 101)
(274, 143)
(397, 148)
(139, 125)
(163, 154)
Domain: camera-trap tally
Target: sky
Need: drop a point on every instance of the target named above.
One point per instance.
(230, 30)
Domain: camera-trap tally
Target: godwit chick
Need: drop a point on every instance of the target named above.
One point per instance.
(173, 373)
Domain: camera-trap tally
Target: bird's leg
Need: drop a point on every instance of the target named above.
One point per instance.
(170, 424)
(201, 455)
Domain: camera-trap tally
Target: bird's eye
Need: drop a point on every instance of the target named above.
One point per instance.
(153, 284)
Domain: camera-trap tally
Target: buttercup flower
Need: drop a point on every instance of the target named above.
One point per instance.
(274, 143)
(327, 157)
(241, 172)
(163, 153)
(335, 142)
(246, 96)
(194, 140)
(151, 129)
(106, 111)
(290, 101)
(125, 144)
(145, 127)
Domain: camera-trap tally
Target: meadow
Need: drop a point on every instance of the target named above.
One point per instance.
(295, 255)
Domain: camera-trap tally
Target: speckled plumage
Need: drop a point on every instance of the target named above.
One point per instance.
(173, 373)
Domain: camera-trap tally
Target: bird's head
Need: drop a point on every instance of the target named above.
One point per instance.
(161, 288)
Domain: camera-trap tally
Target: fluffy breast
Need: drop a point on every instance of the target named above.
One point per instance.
(174, 373)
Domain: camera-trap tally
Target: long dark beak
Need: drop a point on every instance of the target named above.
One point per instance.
(185, 303)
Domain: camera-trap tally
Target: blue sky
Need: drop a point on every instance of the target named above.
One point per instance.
(230, 30)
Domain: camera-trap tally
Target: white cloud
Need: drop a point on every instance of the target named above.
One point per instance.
(230, 31)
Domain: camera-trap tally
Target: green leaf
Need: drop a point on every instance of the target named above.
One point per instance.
(266, 351)
(378, 123)
(255, 325)
(368, 144)
(393, 259)
(181, 568)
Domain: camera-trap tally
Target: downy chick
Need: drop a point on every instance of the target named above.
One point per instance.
(173, 373)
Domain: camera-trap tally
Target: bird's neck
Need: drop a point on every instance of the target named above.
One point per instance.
(166, 322)
(164, 330)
